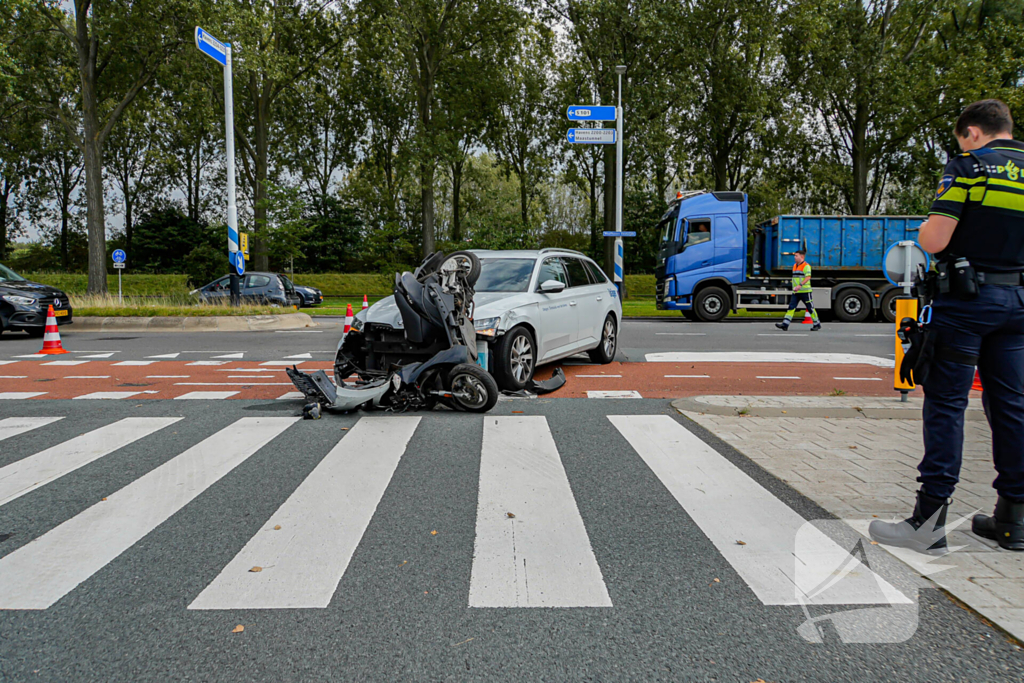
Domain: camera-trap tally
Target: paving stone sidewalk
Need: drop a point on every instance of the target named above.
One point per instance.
(859, 468)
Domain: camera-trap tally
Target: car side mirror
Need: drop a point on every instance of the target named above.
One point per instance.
(552, 286)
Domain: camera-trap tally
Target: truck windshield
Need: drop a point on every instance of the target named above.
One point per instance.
(667, 226)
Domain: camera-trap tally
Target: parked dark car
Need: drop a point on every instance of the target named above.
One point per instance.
(23, 304)
(311, 296)
(256, 288)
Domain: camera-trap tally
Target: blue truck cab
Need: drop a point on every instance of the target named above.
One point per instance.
(709, 263)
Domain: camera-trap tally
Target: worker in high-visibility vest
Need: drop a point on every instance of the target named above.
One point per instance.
(801, 292)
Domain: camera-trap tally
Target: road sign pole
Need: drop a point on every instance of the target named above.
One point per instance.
(618, 185)
(120, 299)
(229, 150)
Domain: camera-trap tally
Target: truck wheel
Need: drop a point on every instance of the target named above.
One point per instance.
(711, 304)
(852, 306)
(887, 310)
(515, 359)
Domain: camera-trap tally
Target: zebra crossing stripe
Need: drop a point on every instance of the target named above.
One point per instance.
(39, 574)
(30, 473)
(12, 426)
(306, 545)
(532, 549)
(728, 506)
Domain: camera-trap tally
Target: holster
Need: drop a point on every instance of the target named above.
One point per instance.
(925, 349)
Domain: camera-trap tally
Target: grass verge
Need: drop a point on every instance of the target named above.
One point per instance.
(180, 306)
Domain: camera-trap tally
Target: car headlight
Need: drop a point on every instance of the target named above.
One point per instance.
(19, 300)
(357, 324)
(487, 327)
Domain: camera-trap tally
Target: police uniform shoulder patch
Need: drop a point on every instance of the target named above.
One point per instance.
(944, 184)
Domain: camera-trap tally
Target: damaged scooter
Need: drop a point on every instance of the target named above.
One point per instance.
(430, 360)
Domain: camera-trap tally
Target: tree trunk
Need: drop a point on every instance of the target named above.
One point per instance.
(260, 257)
(5, 198)
(129, 204)
(65, 199)
(860, 161)
(720, 165)
(593, 210)
(427, 198)
(524, 202)
(94, 212)
(456, 200)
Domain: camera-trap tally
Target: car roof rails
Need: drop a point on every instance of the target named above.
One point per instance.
(570, 251)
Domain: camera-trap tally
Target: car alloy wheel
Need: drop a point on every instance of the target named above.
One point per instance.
(608, 337)
(521, 359)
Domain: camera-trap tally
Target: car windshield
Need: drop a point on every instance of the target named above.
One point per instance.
(8, 275)
(504, 274)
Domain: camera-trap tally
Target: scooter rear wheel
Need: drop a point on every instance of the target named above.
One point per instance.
(472, 388)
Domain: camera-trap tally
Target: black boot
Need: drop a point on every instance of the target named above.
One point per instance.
(1006, 525)
(782, 326)
(815, 327)
(923, 532)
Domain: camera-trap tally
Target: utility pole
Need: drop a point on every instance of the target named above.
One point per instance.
(619, 190)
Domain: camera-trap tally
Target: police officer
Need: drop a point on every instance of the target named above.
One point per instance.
(801, 292)
(976, 230)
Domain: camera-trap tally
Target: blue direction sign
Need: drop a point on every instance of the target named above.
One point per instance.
(119, 256)
(237, 259)
(620, 233)
(591, 136)
(589, 112)
(212, 47)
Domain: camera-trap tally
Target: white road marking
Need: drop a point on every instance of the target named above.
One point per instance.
(251, 377)
(33, 355)
(135, 363)
(166, 356)
(299, 356)
(766, 357)
(12, 426)
(39, 574)
(13, 376)
(888, 336)
(97, 356)
(110, 395)
(250, 369)
(216, 395)
(168, 376)
(781, 334)
(686, 376)
(208, 362)
(321, 525)
(728, 506)
(681, 334)
(290, 395)
(232, 384)
(7, 362)
(231, 356)
(777, 377)
(299, 331)
(532, 548)
(597, 375)
(86, 376)
(30, 473)
(289, 363)
(614, 394)
(865, 379)
(66, 362)
(16, 395)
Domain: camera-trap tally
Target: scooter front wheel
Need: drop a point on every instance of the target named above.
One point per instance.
(472, 388)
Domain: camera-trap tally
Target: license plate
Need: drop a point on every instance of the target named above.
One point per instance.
(59, 314)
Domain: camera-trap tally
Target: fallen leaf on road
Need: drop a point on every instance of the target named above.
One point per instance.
(238, 629)
(517, 411)
(510, 515)
(783, 412)
(434, 532)
(740, 543)
(717, 581)
(853, 448)
(463, 642)
(404, 563)
(874, 542)
(256, 569)
(344, 429)
(103, 499)
(277, 528)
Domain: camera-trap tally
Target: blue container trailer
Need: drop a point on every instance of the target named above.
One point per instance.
(707, 264)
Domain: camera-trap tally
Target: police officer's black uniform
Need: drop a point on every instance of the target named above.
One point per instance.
(984, 191)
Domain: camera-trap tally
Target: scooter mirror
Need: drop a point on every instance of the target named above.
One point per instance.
(552, 286)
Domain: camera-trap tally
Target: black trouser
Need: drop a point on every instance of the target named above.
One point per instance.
(795, 300)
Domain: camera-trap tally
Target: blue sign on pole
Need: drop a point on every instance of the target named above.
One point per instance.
(119, 256)
(588, 112)
(211, 47)
(620, 233)
(591, 136)
(237, 259)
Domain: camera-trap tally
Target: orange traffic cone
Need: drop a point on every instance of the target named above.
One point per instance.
(348, 320)
(807, 319)
(976, 384)
(51, 337)
(366, 304)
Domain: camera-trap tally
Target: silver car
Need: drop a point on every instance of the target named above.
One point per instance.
(532, 307)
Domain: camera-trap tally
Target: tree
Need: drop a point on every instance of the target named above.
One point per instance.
(131, 164)
(119, 45)
(57, 169)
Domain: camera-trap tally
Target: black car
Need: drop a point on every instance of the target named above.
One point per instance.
(256, 288)
(23, 304)
(311, 296)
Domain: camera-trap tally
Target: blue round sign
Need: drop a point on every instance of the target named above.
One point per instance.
(119, 256)
(237, 259)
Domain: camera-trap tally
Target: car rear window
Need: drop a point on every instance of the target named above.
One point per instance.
(504, 274)
(596, 274)
(577, 273)
(255, 281)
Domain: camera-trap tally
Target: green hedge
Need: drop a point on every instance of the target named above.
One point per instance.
(331, 284)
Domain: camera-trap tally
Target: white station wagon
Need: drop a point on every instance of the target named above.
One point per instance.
(532, 307)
